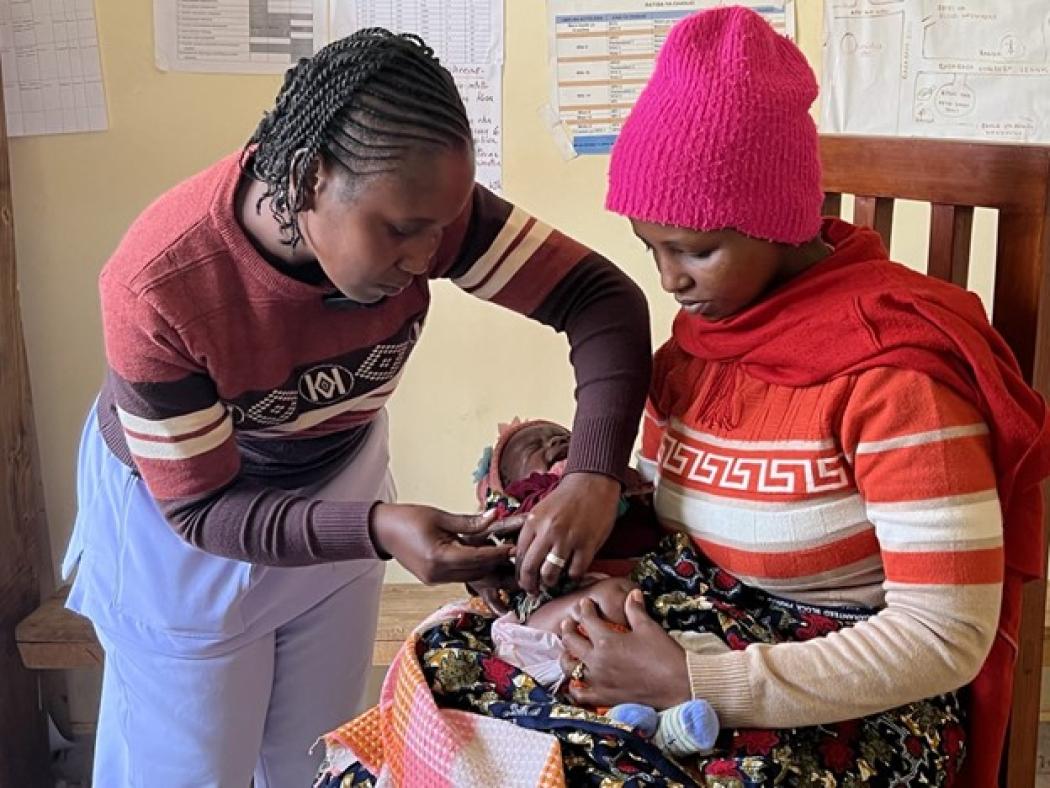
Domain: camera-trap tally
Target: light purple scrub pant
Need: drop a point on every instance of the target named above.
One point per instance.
(217, 670)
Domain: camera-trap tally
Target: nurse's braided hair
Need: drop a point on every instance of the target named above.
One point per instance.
(364, 101)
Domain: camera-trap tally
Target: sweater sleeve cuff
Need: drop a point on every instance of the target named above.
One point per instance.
(601, 444)
(340, 530)
(723, 681)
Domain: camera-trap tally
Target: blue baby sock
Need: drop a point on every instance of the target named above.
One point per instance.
(643, 719)
(689, 728)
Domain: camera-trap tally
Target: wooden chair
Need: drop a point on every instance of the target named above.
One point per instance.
(955, 177)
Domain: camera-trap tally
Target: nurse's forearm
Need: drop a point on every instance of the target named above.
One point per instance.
(606, 319)
(249, 522)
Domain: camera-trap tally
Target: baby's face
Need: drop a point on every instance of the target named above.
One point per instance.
(533, 449)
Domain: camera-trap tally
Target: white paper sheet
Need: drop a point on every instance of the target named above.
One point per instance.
(482, 91)
(237, 36)
(267, 36)
(468, 37)
(602, 53)
(52, 70)
(973, 69)
(464, 32)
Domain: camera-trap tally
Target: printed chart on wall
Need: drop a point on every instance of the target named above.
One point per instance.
(269, 36)
(52, 69)
(467, 35)
(237, 36)
(602, 54)
(972, 69)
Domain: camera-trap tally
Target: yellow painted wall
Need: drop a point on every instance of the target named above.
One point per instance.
(74, 196)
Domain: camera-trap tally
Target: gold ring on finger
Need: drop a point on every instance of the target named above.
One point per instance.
(579, 672)
(555, 559)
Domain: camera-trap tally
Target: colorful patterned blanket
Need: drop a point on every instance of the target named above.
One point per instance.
(452, 714)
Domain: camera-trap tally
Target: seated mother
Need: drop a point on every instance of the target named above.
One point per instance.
(846, 449)
(826, 425)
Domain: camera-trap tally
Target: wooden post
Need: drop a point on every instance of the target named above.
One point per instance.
(23, 525)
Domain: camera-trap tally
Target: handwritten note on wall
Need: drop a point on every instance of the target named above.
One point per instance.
(976, 69)
(482, 91)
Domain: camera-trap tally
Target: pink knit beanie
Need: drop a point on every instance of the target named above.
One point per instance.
(721, 137)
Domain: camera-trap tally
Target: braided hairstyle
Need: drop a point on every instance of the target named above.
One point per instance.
(365, 102)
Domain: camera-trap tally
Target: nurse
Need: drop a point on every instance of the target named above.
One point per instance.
(235, 502)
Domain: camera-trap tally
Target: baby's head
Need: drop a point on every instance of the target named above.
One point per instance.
(522, 449)
(536, 447)
(717, 166)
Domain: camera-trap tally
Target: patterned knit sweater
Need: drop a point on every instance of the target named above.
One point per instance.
(231, 384)
(876, 488)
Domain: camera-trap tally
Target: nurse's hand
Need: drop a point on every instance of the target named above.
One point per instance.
(433, 544)
(565, 530)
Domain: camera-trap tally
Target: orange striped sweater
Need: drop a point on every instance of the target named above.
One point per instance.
(876, 489)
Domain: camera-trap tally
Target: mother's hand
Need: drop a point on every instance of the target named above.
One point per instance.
(569, 525)
(438, 547)
(642, 665)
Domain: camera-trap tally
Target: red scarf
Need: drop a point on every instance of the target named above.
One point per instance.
(857, 310)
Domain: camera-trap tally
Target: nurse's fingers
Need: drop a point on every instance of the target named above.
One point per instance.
(461, 563)
(542, 565)
(467, 524)
(499, 529)
(553, 567)
(508, 525)
(579, 565)
(527, 578)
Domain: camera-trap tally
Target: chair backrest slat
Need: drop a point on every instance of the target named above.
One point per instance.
(832, 204)
(1021, 312)
(950, 231)
(875, 212)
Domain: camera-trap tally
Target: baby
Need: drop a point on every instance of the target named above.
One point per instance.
(523, 467)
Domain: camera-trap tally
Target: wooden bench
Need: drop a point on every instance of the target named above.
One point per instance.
(53, 638)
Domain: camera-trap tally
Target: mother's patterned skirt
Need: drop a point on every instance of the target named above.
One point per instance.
(922, 743)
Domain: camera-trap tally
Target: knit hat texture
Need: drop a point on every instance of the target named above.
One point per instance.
(486, 476)
(721, 136)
